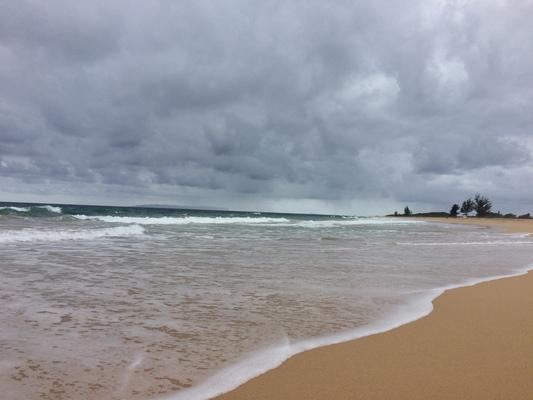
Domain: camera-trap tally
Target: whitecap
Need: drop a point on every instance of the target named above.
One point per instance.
(260, 221)
(182, 220)
(52, 209)
(17, 209)
(36, 235)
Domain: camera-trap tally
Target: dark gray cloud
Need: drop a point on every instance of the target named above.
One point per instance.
(289, 105)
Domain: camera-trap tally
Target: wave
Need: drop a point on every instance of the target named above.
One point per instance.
(264, 360)
(333, 223)
(182, 220)
(16, 209)
(31, 210)
(259, 221)
(36, 235)
(52, 209)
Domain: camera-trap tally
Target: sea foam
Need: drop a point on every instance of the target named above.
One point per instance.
(17, 209)
(259, 221)
(334, 223)
(261, 361)
(52, 209)
(182, 220)
(35, 235)
(48, 208)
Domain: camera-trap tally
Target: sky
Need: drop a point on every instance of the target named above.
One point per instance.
(355, 107)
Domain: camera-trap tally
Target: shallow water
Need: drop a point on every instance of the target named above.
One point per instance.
(114, 303)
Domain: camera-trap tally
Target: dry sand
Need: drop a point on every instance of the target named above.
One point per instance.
(476, 344)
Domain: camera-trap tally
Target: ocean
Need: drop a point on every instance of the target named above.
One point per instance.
(133, 303)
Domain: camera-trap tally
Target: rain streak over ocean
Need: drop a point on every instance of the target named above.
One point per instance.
(131, 303)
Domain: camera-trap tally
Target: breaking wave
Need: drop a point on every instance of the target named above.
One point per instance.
(16, 209)
(182, 220)
(52, 209)
(332, 223)
(259, 221)
(36, 235)
(31, 211)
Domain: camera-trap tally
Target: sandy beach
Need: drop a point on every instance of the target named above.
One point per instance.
(506, 224)
(476, 344)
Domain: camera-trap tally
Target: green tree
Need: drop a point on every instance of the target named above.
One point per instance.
(467, 206)
(482, 205)
(454, 210)
(407, 211)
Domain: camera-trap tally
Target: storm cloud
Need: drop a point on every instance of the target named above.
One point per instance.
(355, 107)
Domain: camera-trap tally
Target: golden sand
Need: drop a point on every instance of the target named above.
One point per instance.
(476, 344)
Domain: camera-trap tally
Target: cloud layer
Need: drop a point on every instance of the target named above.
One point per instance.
(288, 105)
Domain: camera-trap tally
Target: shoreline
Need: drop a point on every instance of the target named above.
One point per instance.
(295, 362)
(461, 350)
(508, 225)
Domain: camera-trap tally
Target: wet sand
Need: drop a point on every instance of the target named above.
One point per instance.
(506, 224)
(476, 344)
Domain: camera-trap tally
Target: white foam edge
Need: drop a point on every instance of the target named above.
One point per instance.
(52, 209)
(261, 361)
(35, 235)
(17, 209)
(257, 221)
(182, 220)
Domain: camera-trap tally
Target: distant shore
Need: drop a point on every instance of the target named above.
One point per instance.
(476, 344)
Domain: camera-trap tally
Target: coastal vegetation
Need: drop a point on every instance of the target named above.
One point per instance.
(480, 204)
(454, 210)
(467, 207)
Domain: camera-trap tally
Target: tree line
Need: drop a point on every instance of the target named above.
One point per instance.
(480, 204)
